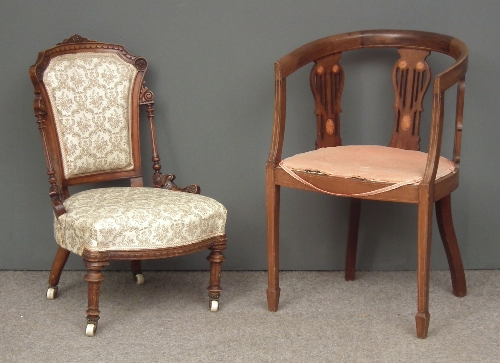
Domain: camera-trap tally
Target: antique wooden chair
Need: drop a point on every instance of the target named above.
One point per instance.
(87, 98)
(397, 173)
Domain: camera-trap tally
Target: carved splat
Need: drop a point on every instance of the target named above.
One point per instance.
(327, 83)
(410, 77)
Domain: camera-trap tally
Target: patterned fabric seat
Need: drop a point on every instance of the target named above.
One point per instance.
(118, 219)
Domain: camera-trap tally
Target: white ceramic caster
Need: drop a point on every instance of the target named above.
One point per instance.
(214, 305)
(51, 293)
(90, 331)
(139, 279)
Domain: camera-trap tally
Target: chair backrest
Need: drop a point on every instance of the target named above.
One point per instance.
(410, 77)
(87, 97)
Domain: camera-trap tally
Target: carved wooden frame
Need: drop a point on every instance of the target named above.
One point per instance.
(58, 191)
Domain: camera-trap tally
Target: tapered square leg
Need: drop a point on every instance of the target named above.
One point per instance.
(352, 239)
(423, 263)
(273, 206)
(422, 322)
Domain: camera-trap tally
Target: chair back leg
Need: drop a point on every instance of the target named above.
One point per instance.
(60, 259)
(135, 266)
(352, 239)
(449, 239)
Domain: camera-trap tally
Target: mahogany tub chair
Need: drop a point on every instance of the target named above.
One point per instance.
(87, 100)
(398, 172)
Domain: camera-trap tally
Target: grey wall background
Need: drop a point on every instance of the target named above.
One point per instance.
(211, 68)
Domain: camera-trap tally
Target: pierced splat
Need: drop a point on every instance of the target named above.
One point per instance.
(410, 77)
(327, 83)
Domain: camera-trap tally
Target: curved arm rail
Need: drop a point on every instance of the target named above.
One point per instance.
(380, 39)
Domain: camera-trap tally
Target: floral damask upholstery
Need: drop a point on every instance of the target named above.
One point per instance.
(137, 218)
(90, 94)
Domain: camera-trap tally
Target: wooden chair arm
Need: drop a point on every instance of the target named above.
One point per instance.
(455, 74)
(56, 197)
(167, 181)
(160, 180)
(279, 118)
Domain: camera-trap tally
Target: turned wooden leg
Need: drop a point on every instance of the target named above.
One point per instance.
(352, 239)
(215, 258)
(423, 265)
(273, 215)
(60, 259)
(94, 262)
(447, 231)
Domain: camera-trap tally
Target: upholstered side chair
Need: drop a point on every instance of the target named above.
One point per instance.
(399, 172)
(87, 100)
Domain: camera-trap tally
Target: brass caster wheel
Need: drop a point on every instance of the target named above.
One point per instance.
(90, 331)
(214, 305)
(139, 279)
(51, 293)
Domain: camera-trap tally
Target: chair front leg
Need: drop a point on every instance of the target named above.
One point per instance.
(273, 217)
(423, 265)
(94, 262)
(215, 258)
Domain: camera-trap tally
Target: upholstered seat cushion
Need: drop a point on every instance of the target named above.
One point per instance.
(137, 218)
(367, 162)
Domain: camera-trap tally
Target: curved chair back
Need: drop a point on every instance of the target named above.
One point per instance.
(410, 77)
(87, 97)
